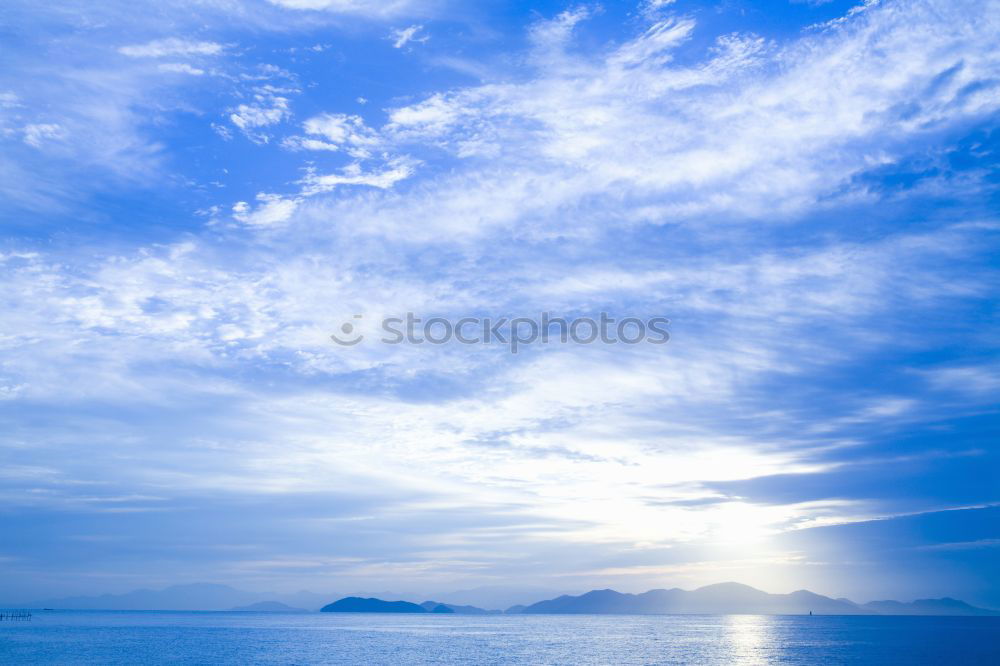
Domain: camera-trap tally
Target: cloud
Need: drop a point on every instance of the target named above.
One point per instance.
(694, 140)
(975, 379)
(106, 103)
(303, 143)
(268, 110)
(756, 192)
(271, 106)
(653, 5)
(340, 131)
(272, 209)
(338, 128)
(853, 11)
(434, 113)
(396, 170)
(36, 134)
(180, 68)
(367, 8)
(171, 46)
(651, 48)
(402, 37)
(9, 100)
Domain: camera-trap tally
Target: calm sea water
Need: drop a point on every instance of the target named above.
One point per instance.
(91, 637)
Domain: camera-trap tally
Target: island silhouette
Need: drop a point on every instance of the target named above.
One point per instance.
(360, 605)
(721, 598)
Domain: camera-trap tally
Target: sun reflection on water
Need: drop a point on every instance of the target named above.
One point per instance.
(749, 638)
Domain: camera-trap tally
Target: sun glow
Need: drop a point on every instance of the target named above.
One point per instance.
(739, 523)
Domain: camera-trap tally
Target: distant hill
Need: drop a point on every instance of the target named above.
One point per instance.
(460, 610)
(495, 596)
(269, 607)
(724, 598)
(734, 598)
(196, 596)
(441, 609)
(943, 606)
(359, 605)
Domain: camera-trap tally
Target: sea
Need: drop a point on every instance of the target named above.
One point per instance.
(154, 637)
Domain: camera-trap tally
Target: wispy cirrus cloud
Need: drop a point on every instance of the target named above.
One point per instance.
(411, 35)
(171, 46)
(385, 9)
(790, 204)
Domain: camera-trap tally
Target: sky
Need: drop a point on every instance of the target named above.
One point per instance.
(196, 195)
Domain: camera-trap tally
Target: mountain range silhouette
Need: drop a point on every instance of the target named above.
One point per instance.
(735, 598)
(722, 598)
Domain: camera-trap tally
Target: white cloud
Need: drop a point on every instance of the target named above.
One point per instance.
(341, 128)
(171, 46)
(302, 143)
(271, 210)
(38, 133)
(222, 131)
(102, 102)
(974, 379)
(651, 47)
(853, 11)
(268, 110)
(9, 100)
(395, 170)
(654, 5)
(436, 113)
(338, 131)
(587, 451)
(543, 192)
(180, 68)
(402, 37)
(537, 435)
(270, 106)
(370, 8)
(696, 140)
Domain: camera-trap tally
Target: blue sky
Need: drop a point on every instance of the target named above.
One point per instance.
(195, 195)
